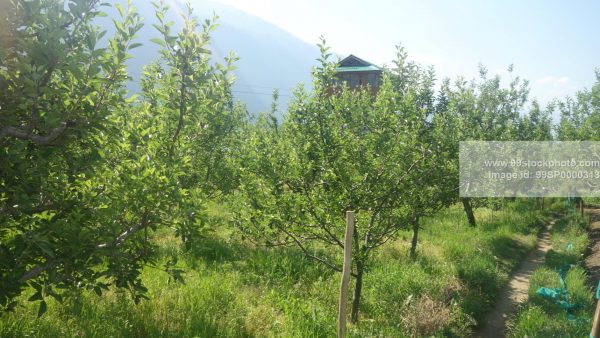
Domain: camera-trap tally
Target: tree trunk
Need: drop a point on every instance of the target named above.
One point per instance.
(542, 203)
(357, 292)
(413, 246)
(469, 211)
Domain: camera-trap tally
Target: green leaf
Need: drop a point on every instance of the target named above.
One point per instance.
(36, 296)
(135, 45)
(120, 9)
(159, 42)
(45, 215)
(159, 15)
(36, 286)
(42, 309)
(56, 296)
(204, 51)
(119, 26)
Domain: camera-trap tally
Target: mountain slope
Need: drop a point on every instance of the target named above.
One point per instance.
(270, 58)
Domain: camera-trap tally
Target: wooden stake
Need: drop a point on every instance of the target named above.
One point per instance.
(345, 273)
(596, 324)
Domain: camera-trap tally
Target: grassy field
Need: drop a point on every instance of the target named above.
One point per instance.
(541, 317)
(234, 289)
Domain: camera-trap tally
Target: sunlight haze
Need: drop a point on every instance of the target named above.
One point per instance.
(551, 43)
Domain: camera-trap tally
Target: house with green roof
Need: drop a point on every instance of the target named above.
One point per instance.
(356, 72)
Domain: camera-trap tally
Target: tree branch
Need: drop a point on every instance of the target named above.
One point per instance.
(36, 271)
(125, 235)
(308, 254)
(182, 100)
(37, 139)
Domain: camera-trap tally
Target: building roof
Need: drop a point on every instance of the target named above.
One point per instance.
(354, 64)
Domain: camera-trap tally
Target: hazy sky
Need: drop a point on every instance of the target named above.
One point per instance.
(554, 44)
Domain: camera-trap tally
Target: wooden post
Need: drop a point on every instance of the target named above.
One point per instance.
(345, 273)
(596, 323)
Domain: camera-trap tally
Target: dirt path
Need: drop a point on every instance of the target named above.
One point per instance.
(592, 262)
(516, 290)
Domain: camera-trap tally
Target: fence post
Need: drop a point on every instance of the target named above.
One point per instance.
(345, 273)
(596, 322)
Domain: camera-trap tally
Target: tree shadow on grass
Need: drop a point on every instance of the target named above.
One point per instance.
(259, 263)
(116, 315)
(559, 260)
(509, 251)
(216, 250)
(482, 273)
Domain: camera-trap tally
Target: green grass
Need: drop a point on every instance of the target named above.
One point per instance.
(541, 317)
(234, 289)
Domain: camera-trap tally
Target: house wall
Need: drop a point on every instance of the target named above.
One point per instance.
(355, 79)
